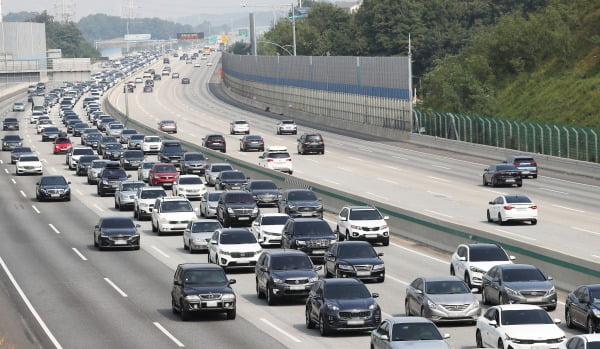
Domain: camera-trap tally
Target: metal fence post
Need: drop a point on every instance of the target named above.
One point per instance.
(576, 143)
(595, 144)
(558, 139)
(541, 138)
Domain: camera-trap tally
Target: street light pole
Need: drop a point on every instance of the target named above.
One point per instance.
(294, 28)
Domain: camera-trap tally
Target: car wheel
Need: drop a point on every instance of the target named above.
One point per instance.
(68, 198)
(422, 313)
(347, 238)
(117, 206)
(337, 273)
(190, 247)
(590, 325)
(500, 343)
(327, 273)
(500, 221)
(468, 281)
(452, 270)
(309, 323)
(259, 293)
(494, 182)
(323, 327)
(153, 227)
(485, 183)
(533, 221)
(484, 298)
(502, 299)
(185, 315)
(519, 185)
(568, 319)
(478, 340)
(135, 213)
(231, 314)
(95, 242)
(489, 217)
(407, 308)
(158, 231)
(208, 258)
(173, 307)
(386, 242)
(270, 296)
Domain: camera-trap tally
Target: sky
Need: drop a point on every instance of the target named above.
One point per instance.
(166, 9)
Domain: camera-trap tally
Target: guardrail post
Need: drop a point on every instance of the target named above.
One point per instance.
(595, 144)
(576, 143)
(550, 138)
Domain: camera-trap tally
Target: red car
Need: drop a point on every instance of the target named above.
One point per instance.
(162, 174)
(62, 145)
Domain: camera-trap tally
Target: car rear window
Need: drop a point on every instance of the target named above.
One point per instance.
(274, 220)
(487, 253)
(153, 194)
(278, 155)
(518, 199)
(506, 168)
(199, 227)
(216, 138)
(314, 138)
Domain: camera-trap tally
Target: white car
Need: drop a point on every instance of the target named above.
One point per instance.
(75, 153)
(471, 261)
(268, 227)
(29, 164)
(213, 170)
(35, 116)
(277, 158)
(138, 80)
(518, 326)
(144, 200)
(209, 202)
(233, 247)
(42, 123)
(363, 223)
(171, 214)
(516, 208)
(209, 64)
(189, 186)
(239, 126)
(143, 170)
(151, 144)
(197, 234)
(287, 126)
(582, 341)
(196, 65)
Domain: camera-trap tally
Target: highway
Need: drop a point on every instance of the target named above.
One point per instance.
(120, 299)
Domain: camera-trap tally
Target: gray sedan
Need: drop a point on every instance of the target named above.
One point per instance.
(125, 194)
(408, 332)
(208, 203)
(442, 299)
(144, 169)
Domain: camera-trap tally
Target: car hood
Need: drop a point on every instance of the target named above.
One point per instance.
(191, 290)
(304, 203)
(119, 231)
(54, 187)
(195, 162)
(293, 273)
(253, 247)
(192, 186)
(272, 228)
(425, 344)
(29, 163)
(352, 304)
(460, 298)
(488, 264)
(533, 331)
(528, 285)
(131, 158)
(178, 216)
(360, 261)
(369, 224)
(202, 235)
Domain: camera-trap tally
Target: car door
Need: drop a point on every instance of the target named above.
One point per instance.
(256, 226)
(495, 287)
(213, 245)
(413, 299)
(461, 261)
(343, 221)
(316, 300)
(187, 234)
(286, 236)
(262, 272)
(203, 203)
(156, 212)
(175, 187)
(378, 339)
(488, 332)
(580, 306)
(330, 259)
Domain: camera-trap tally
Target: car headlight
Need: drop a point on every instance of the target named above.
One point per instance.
(193, 298)
(378, 266)
(313, 279)
(596, 313)
(477, 270)
(255, 210)
(277, 281)
(372, 306)
(224, 252)
(163, 219)
(143, 204)
(431, 304)
(300, 242)
(229, 210)
(551, 291)
(512, 292)
(228, 297)
(332, 241)
(292, 207)
(332, 307)
(345, 267)
(354, 226)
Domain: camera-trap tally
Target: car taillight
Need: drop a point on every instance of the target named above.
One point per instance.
(508, 207)
(306, 142)
(288, 159)
(260, 141)
(533, 207)
(516, 163)
(534, 163)
(269, 160)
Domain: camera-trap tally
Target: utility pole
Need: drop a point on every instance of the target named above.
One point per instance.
(410, 92)
(294, 28)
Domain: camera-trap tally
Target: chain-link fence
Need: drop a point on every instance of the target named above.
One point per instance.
(579, 143)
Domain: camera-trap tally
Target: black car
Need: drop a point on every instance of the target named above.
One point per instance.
(53, 188)
(125, 134)
(236, 207)
(78, 128)
(92, 140)
(50, 133)
(193, 163)
(582, 308)
(284, 273)
(170, 151)
(264, 191)
(215, 142)
(148, 88)
(252, 142)
(71, 124)
(300, 203)
(355, 259)
(502, 174)
(231, 180)
(17, 152)
(112, 151)
(342, 305)
(311, 143)
(84, 163)
(185, 81)
(10, 124)
(104, 141)
(132, 159)
(109, 178)
(310, 235)
(9, 142)
(116, 232)
(199, 287)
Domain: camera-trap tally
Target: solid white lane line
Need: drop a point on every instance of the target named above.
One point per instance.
(79, 192)
(280, 330)
(419, 253)
(109, 281)
(332, 182)
(568, 208)
(99, 208)
(54, 228)
(6, 170)
(386, 180)
(518, 235)
(399, 157)
(13, 180)
(79, 254)
(35, 208)
(378, 196)
(168, 334)
(353, 158)
(23, 193)
(392, 168)
(595, 255)
(396, 279)
(345, 169)
(439, 179)
(586, 231)
(554, 191)
(442, 167)
(159, 251)
(437, 194)
(496, 192)
(439, 213)
(30, 306)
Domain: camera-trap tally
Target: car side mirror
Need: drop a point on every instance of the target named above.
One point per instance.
(512, 258)
(446, 336)
(418, 292)
(177, 283)
(462, 259)
(257, 223)
(212, 242)
(486, 169)
(380, 254)
(493, 323)
(232, 281)
(37, 183)
(375, 295)
(128, 176)
(96, 226)
(550, 278)
(138, 226)
(557, 321)
(317, 267)
(474, 290)
(69, 182)
(491, 202)
(384, 337)
(263, 269)
(386, 217)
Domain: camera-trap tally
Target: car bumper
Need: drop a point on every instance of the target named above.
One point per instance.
(192, 195)
(526, 216)
(199, 245)
(314, 253)
(60, 196)
(291, 290)
(209, 306)
(288, 130)
(511, 344)
(363, 275)
(164, 182)
(270, 239)
(544, 301)
(280, 167)
(375, 235)
(26, 170)
(172, 227)
(318, 214)
(338, 323)
(229, 261)
(119, 243)
(441, 314)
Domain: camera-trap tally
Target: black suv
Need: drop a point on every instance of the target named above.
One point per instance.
(215, 142)
(193, 163)
(311, 143)
(109, 178)
(354, 259)
(53, 188)
(284, 273)
(310, 235)
(112, 151)
(300, 203)
(342, 304)
(264, 191)
(236, 207)
(231, 180)
(170, 152)
(10, 124)
(116, 232)
(199, 287)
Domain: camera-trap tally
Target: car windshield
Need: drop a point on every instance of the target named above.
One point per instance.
(25, 158)
(487, 253)
(240, 122)
(519, 275)
(517, 199)
(274, 220)
(83, 151)
(415, 331)
(117, 223)
(287, 122)
(133, 186)
(190, 180)
(109, 139)
(94, 136)
(51, 129)
(202, 227)
(446, 287)
(356, 251)
(220, 168)
(153, 194)
(279, 155)
(233, 175)
(113, 146)
(172, 148)
(194, 157)
(205, 277)
(165, 169)
(176, 206)
(302, 195)
(53, 181)
(22, 150)
(346, 291)
(116, 126)
(312, 228)
(237, 237)
(214, 196)
(253, 138)
(12, 138)
(525, 317)
(506, 168)
(136, 137)
(133, 154)
(152, 139)
(290, 262)
(114, 172)
(263, 185)
(239, 198)
(365, 215)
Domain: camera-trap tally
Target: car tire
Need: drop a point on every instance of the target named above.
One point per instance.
(184, 314)
(309, 323)
(231, 314)
(259, 293)
(519, 185)
(117, 206)
(135, 213)
(494, 182)
(478, 339)
(489, 217)
(422, 313)
(348, 238)
(381, 279)
(153, 227)
(386, 242)
(484, 298)
(208, 260)
(173, 308)
(500, 344)
(323, 327)
(500, 221)
(407, 308)
(533, 221)
(590, 325)
(468, 281)
(452, 272)
(95, 242)
(485, 183)
(568, 318)
(271, 298)
(68, 198)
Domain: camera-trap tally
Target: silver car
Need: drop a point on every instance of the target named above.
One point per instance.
(442, 299)
(198, 233)
(94, 170)
(144, 169)
(125, 194)
(408, 332)
(135, 141)
(213, 170)
(208, 203)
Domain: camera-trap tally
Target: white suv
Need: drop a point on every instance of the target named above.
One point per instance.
(277, 158)
(171, 214)
(268, 228)
(471, 261)
(151, 144)
(363, 223)
(239, 126)
(235, 247)
(144, 200)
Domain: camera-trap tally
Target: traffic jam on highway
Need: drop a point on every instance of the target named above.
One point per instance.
(319, 265)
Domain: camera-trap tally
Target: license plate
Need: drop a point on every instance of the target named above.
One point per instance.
(363, 273)
(510, 181)
(54, 195)
(356, 322)
(371, 236)
(318, 252)
(525, 172)
(297, 287)
(306, 213)
(212, 304)
(534, 300)
(120, 242)
(236, 187)
(243, 218)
